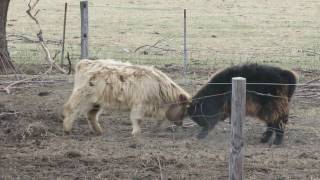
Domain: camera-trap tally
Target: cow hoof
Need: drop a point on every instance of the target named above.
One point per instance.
(277, 141)
(203, 134)
(98, 133)
(155, 129)
(136, 132)
(264, 140)
(266, 136)
(135, 145)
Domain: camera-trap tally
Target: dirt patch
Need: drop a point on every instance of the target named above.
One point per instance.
(34, 146)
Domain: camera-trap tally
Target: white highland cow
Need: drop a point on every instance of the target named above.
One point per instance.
(109, 84)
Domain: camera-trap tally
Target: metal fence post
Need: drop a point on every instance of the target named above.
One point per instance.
(84, 29)
(238, 113)
(64, 32)
(185, 58)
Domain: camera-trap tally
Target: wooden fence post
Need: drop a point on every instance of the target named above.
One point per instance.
(238, 114)
(84, 29)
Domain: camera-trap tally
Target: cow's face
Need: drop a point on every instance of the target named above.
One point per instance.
(177, 112)
(197, 112)
(207, 112)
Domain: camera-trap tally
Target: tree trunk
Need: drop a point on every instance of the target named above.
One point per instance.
(6, 66)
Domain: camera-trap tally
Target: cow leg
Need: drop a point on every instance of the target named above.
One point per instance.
(136, 116)
(70, 114)
(267, 134)
(156, 128)
(211, 124)
(279, 129)
(93, 117)
(71, 110)
(160, 120)
(203, 133)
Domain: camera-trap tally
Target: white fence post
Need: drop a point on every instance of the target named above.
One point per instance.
(84, 29)
(238, 114)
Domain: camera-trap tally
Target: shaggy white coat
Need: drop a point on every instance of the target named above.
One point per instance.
(144, 90)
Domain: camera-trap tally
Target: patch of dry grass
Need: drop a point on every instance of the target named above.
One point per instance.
(220, 33)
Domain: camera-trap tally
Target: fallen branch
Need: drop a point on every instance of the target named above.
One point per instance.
(313, 80)
(306, 102)
(6, 86)
(8, 113)
(7, 89)
(185, 125)
(312, 52)
(159, 164)
(35, 82)
(19, 88)
(308, 96)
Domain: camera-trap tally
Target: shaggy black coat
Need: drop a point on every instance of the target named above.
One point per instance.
(207, 109)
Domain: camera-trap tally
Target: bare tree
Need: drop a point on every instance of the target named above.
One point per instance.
(6, 66)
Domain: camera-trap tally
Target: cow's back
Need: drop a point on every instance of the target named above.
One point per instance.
(260, 78)
(123, 84)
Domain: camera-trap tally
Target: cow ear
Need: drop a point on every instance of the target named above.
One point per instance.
(183, 99)
(176, 114)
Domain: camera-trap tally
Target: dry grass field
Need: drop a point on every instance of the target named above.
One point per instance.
(220, 33)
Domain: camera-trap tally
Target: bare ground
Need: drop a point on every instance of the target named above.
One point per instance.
(33, 146)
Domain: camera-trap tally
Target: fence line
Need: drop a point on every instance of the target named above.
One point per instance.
(267, 95)
(193, 99)
(271, 84)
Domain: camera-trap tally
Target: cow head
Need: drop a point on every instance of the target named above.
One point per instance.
(206, 112)
(197, 112)
(177, 112)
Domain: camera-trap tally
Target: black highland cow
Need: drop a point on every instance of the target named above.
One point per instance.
(207, 109)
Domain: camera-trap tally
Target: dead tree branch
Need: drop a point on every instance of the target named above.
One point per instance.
(56, 54)
(30, 8)
(154, 46)
(40, 37)
(69, 62)
(148, 45)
